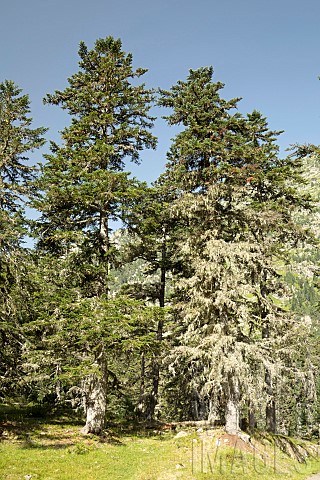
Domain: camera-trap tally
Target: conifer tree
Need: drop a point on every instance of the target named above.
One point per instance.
(302, 277)
(84, 183)
(152, 238)
(235, 194)
(17, 140)
(66, 331)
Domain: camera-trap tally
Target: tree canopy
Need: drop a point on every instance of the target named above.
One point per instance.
(196, 305)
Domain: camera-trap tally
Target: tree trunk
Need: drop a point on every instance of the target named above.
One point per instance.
(95, 385)
(251, 420)
(58, 385)
(153, 398)
(141, 407)
(212, 412)
(232, 411)
(104, 252)
(95, 398)
(271, 406)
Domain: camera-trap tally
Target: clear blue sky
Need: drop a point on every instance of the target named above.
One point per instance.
(266, 51)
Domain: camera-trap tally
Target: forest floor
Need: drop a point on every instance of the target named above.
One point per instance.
(38, 447)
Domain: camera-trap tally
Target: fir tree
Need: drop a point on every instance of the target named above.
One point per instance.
(84, 184)
(152, 238)
(235, 195)
(302, 277)
(67, 334)
(17, 140)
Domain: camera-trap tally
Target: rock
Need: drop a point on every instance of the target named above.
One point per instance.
(181, 434)
(244, 436)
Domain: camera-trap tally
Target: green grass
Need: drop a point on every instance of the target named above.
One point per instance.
(130, 461)
(53, 449)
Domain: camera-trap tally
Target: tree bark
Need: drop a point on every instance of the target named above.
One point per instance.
(104, 251)
(95, 397)
(271, 405)
(95, 385)
(251, 420)
(141, 407)
(232, 412)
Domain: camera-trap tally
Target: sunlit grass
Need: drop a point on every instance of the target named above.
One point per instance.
(134, 458)
(42, 449)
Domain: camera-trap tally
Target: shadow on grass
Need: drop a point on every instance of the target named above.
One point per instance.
(49, 437)
(40, 427)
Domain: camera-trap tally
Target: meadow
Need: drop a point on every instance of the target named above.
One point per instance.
(36, 445)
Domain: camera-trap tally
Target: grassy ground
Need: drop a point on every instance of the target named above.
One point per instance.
(40, 449)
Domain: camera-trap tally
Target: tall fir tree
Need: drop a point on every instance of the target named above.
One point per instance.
(235, 195)
(84, 183)
(17, 140)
